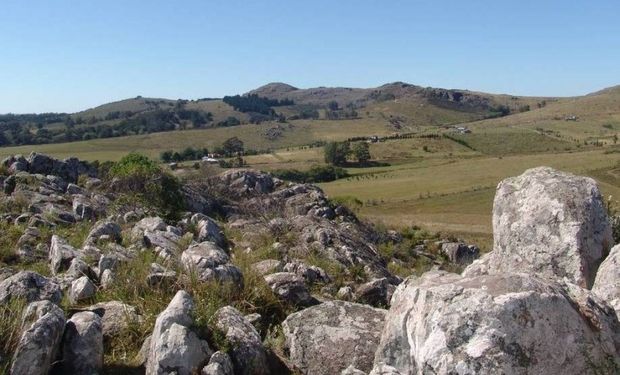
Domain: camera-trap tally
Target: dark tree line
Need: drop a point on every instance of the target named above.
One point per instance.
(255, 103)
(29, 129)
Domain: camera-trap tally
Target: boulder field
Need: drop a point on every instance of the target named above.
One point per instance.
(545, 300)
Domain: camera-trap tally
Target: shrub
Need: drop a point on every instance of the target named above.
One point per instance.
(316, 173)
(140, 180)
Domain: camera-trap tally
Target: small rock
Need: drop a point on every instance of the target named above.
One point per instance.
(61, 254)
(81, 289)
(219, 364)
(290, 287)
(116, 317)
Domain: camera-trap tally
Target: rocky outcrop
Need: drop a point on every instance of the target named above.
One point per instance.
(30, 286)
(174, 347)
(82, 344)
(446, 323)
(210, 263)
(247, 351)
(549, 223)
(607, 282)
(43, 324)
(328, 338)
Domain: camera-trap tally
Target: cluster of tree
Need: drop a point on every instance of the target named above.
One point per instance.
(255, 103)
(337, 153)
(230, 121)
(188, 153)
(305, 112)
(231, 147)
(317, 173)
(500, 110)
(341, 114)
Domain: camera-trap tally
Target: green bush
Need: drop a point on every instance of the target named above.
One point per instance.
(141, 180)
(316, 173)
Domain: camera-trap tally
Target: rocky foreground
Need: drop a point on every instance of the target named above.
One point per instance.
(257, 276)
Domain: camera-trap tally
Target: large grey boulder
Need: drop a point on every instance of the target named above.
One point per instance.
(549, 223)
(30, 286)
(607, 282)
(328, 338)
(174, 347)
(209, 262)
(43, 324)
(82, 344)
(444, 323)
(290, 287)
(61, 254)
(247, 351)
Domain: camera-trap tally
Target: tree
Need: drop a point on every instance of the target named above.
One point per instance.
(361, 151)
(232, 145)
(333, 105)
(166, 156)
(336, 153)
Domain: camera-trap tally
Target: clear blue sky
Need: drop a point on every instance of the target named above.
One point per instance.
(62, 55)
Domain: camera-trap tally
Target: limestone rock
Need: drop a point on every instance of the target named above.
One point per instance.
(607, 282)
(208, 230)
(290, 287)
(513, 323)
(104, 229)
(549, 223)
(61, 254)
(376, 292)
(219, 364)
(328, 338)
(248, 354)
(31, 286)
(460, 253)
(43, 326)
(173, 346)
(82, 346)
(267, 266)
(116, 317)
(81, 289)
(210, 262)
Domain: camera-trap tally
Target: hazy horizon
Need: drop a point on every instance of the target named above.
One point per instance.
(67, 56)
